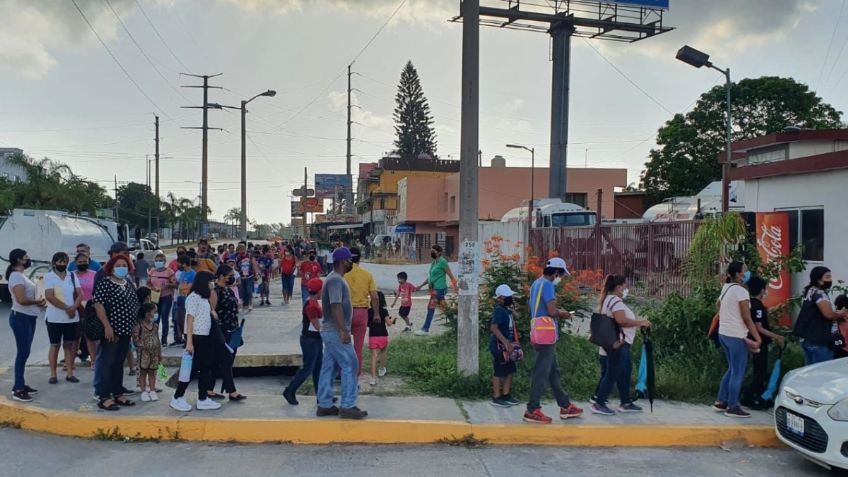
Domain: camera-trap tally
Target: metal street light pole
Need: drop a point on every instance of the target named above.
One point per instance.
(698, 59)
(532, 185)
(243, 216)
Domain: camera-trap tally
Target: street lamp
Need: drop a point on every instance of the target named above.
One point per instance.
(696, 58)
(532, 185)
(243, 219)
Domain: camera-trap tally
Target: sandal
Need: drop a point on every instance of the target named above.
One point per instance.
(53, 380)
(124, 403)
(111, 407)
(214, 395)
(237, 397)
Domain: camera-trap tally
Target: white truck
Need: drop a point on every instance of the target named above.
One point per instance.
(553, 213)
(44, 232)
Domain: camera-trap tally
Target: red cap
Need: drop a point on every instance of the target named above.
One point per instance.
(314, 285)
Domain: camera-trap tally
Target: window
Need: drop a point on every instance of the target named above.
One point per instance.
(572, 220)
(453, 203)
(806, 228)
(778, 152)
(577, 198)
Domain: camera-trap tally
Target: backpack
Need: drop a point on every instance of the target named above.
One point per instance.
(605, 331)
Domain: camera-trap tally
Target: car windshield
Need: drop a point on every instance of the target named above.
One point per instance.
(573, 219)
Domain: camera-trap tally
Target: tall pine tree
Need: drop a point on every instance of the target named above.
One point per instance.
(413, 121)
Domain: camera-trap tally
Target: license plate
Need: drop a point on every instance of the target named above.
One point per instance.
(795, 424)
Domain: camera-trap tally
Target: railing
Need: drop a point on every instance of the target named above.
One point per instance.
(651, 256)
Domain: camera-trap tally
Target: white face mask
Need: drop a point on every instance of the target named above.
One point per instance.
(557, 280)
(625, 292)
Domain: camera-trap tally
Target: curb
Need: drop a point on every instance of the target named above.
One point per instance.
(335, 431)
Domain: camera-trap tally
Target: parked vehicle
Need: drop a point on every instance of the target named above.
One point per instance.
(553, 213)
(149, 248)
(811, 412)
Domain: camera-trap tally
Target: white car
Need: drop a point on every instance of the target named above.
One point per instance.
(149, 248)
(811, 412)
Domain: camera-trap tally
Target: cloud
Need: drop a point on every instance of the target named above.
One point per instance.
(364, 117)
(30, 30)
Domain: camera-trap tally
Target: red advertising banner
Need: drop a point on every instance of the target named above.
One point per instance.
(772, 232)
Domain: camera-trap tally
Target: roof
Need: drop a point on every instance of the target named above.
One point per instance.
(790, 136)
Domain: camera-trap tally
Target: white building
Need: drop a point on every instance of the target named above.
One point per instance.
(804, 173)
(8, 171)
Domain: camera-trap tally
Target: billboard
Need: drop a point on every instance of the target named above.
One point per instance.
(663, 4)
(313, 205)
(327, 185)
(772, 235)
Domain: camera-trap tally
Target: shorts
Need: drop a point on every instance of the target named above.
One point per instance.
(404, 311)
(502, 368)
(62, 332)
(378, 342)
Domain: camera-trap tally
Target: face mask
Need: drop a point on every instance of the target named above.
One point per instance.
(625, 293)
(826, 285)
(557, 280)
(28, 263)
(312, 257)
(159, 264)
(61, 268)
(288, 253)
(434, 255)
(508, 301)
(120, 272)
(231, 281)
(746, 276)
(82, 267)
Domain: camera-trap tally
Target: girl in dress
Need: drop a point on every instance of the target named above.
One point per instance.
(149, 347)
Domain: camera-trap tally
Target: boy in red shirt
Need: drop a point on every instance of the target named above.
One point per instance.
(310, 342)
(308, 270)
(404, 292)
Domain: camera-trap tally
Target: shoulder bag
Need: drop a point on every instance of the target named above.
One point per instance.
(605, 331)
(543, 329)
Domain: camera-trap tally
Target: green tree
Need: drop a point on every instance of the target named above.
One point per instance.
(413, 121)
(135, 202)
(686, 159)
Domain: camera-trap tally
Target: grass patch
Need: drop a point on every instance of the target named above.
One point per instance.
(468, 441)
(115, 435)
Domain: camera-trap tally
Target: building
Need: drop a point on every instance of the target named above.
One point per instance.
(803, 173)
(629, 205)
(9, 171)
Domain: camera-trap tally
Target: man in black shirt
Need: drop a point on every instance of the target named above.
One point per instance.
(759, 315)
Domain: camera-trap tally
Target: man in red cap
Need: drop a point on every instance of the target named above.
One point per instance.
(310, 342)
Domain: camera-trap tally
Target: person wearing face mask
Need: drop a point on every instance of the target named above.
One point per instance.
(63, 295)
(163, 281)
(817, 320)
(288, 264)
(438, 284)
(546, 370)
(249, 270)
(116, 304)
(308, 270)
(502, 342)
(174, 264)
(226, 306)
(617, 364)
(25, 311)
(93, 265)
(85, 278)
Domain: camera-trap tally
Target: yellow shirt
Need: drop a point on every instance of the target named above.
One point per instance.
(361, 284)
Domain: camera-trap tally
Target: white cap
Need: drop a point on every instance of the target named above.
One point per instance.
(557, 262)
(504, 291)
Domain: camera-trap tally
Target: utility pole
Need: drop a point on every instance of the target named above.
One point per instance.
(116, 200)
(158, 228)
(147, 165)
(469, 257)
(204, 191)
(303, 206)
(349, 185)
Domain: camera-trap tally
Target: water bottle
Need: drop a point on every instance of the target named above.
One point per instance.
(185, 367)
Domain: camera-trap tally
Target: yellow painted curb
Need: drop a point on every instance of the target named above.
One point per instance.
(336, 431)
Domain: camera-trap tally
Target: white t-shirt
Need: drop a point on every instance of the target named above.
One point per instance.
(199, 308)
(730, 318)
(613, 304)
(64, 291)
(18, 278)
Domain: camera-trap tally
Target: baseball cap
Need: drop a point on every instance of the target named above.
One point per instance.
(557, 262)
(504, 291)
(314, 285)
(118, 247)
(342, 253)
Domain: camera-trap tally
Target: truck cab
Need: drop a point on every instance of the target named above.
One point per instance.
(553, 213)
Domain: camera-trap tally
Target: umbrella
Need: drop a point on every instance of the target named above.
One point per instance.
(774, 380)
(650, 377)
(642, 378)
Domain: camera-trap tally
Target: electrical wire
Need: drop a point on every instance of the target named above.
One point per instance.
(155, 30)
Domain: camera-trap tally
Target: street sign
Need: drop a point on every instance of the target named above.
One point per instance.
(313, 205)
(299, 192)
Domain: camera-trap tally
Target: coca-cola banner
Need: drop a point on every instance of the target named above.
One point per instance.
(772, 235)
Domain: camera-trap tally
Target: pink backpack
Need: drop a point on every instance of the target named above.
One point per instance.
(543, 329)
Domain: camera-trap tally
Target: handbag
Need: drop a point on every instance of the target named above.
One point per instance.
(605, 331)
(92, 327)
(517, 353)
(236, 337)
(543, 329)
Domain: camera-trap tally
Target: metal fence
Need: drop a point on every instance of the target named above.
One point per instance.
(651, 256)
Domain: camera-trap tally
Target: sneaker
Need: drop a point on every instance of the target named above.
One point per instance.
(499, 402)
(327, 411)
(720, 406)
(290, 397)
(71, 379)
(381, 372)
(569, 412)
(593, 399)
(153, 396)
(180, 404)
(737, 412)
(537, 417)
(52, 380)
(208, 405)
(21, 395)
(30, 390)
(145, 397)
(352, 413)
(602, 409)
(422, 333)
(629, 407)
(373, 381)
(510, 400)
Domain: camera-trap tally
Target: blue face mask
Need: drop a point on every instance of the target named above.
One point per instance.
(746, 276)
(121, 272)
(159, 264)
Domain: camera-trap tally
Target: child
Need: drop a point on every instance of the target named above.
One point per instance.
(378, 337)
(310, 343)
(841, 303)
(501, 345)
(404, 292)
(759, 315)
(266, 266)
(146, 340)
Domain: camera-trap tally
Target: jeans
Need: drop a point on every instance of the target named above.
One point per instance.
(246, 291)
(165, 305)
(23, 327)
(342, 356)
(202, 362)
(358, 328)
(304, 293)
(431, 309)
(736, 352)
(546, 371)
(312, 349)
(618, 369)
(288, 284)
(815, 353)
(179, 319)
(110, 366)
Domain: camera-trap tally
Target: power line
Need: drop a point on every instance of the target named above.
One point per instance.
(155, 30)
(126, 73)
(380, 30)
(823, 80)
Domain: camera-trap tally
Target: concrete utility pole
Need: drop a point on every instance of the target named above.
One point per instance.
(156, 123)
(349, 186)
(468, 329)
(559, 110)
(243, 216)
(303, 206)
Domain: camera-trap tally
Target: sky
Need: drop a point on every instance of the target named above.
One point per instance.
(63, 95)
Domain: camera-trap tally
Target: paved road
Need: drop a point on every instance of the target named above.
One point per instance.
(26, 454)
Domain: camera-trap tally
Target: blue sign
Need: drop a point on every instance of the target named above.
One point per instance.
(405, 228)
(327, 185)
(663, 4)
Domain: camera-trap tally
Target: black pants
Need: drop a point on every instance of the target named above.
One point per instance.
(202, 361)
(753, 396)
(110, 365)
(223, 366)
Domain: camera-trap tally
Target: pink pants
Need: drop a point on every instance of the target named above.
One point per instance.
(359, 328)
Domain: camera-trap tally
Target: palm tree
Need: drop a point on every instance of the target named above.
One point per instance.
(233, 215)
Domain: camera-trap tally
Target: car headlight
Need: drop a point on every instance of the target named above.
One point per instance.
(839, 411)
